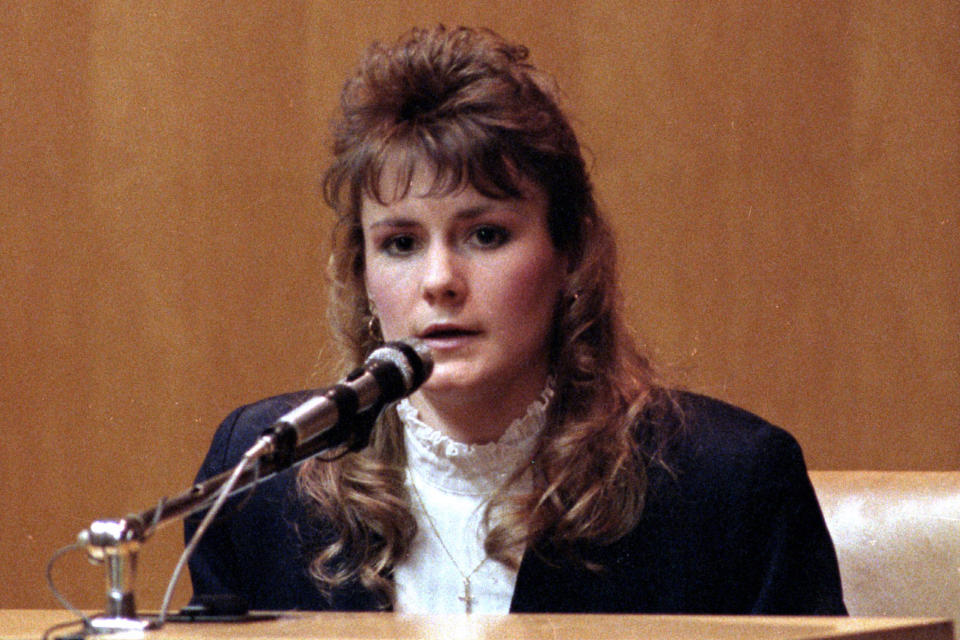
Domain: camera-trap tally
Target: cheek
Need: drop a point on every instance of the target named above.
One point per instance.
(387, 294)
(531, 289)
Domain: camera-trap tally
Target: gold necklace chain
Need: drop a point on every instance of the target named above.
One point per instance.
(467, 597)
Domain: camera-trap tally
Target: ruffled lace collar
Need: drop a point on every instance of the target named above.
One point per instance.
(470, 469)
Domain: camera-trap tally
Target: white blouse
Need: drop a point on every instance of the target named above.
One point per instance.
(447, 570)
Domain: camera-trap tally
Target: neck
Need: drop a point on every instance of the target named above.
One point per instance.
(479, 417)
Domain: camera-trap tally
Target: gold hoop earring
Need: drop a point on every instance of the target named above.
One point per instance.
(373, 329)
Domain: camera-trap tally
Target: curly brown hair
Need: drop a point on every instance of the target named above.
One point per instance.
(469, 105)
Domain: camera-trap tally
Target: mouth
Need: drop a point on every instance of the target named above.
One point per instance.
(446, 332)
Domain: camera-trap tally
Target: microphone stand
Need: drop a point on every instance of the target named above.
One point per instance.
(116, 543)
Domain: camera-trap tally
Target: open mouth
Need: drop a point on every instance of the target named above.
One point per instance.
(440, 333)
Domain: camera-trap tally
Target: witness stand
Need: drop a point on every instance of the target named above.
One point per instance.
(23, 624)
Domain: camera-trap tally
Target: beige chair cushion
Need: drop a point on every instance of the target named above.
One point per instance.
(897, 535)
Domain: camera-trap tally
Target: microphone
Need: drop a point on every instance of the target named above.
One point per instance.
(336, 415)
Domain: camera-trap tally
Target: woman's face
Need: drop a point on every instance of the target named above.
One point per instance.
(476, 278)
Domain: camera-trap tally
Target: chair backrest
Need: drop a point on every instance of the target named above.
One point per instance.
(897, 535)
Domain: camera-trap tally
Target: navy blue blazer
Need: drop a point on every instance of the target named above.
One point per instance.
(736, 529)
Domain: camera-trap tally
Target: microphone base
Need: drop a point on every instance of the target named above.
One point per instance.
(118, 625)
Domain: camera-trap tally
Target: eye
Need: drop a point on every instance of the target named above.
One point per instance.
(490, 236)
(399, 245)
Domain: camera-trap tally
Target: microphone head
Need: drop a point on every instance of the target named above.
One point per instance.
(410, 356)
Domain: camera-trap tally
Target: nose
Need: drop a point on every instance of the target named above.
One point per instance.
(443, 280)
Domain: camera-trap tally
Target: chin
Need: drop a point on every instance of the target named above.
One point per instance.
(447, 379)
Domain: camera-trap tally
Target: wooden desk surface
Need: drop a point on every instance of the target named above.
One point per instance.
(17, 624)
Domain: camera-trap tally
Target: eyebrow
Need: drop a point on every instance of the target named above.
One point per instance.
(467, 213)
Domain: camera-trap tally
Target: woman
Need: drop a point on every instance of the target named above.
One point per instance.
(542, 466)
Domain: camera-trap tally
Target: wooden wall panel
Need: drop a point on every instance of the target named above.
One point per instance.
(784, 177)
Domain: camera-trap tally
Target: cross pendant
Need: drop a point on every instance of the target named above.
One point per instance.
(466, 598)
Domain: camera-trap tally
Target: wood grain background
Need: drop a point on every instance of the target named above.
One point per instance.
(784, 178)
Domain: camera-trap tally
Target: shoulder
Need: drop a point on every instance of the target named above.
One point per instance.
(241, 428)
(728, 433)
(723, 448)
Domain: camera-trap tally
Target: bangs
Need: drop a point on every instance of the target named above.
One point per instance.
(459, 153)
